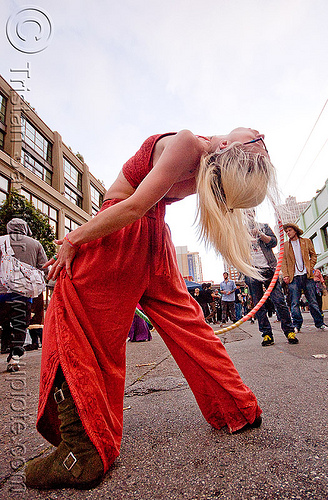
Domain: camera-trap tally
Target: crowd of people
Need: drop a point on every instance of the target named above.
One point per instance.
(218, 305)
(300, 287)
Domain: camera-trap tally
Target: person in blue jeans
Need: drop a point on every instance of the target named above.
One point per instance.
(263, 240)
(238, 304)
(227, 289)
(297, 267)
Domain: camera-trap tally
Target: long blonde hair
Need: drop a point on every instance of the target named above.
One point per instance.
(230, 180)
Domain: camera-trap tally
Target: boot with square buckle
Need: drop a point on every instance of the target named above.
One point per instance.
(59, 396)
(76, 462)
(69, 461)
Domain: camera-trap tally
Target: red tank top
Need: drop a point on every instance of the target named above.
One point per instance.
(137, 167)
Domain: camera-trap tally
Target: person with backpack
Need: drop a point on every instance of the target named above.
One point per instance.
(15, 307)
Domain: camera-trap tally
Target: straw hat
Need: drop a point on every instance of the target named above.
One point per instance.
(297, 229)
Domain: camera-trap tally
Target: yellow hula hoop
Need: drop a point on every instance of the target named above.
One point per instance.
(269, 289)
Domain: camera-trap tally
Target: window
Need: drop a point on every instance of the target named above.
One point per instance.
(36, 141)
(316, 243)
(73, 175)
(96, 199)
(37, 168)
(46, 209)
(2, 139)
(4, 188)
(73, 183)
(70, 225)
(3, 105)
(73, 196)
(36, 152)
(324, 232)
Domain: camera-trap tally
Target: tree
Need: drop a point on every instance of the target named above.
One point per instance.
(16, 205)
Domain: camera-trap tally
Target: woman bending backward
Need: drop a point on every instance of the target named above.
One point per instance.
(83, 355)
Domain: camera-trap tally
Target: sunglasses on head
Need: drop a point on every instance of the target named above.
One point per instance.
(257, 140)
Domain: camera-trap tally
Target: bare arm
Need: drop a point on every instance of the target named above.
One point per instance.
(180, 155)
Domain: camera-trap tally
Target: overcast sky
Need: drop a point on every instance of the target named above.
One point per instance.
(113, 73)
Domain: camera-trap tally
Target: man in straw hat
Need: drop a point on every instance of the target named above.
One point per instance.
(297, 268)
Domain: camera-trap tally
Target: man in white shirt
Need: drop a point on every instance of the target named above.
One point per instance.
(297, 268)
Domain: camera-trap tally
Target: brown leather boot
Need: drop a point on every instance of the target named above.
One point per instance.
(76, 462)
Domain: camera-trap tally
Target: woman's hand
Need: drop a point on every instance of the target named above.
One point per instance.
(64, 258)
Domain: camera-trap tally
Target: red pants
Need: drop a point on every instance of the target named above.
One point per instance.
(87, 324)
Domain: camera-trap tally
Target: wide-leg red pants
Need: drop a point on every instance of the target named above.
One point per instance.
(87, 324)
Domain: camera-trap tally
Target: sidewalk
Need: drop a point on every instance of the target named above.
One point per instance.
(169, 452)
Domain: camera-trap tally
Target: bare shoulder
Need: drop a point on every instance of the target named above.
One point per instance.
(183, 140)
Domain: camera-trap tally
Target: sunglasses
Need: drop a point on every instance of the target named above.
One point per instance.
(257, 140)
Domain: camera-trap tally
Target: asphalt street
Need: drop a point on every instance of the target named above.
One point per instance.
(169, 452)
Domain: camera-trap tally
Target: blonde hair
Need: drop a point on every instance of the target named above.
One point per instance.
(228, 181)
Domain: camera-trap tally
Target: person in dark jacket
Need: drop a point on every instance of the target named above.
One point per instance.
(15, 309)
(210, 302)
(263, 240)
(238, 304)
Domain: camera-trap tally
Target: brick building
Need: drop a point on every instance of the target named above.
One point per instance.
(35, 161)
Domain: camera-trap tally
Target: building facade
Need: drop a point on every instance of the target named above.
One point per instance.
(314, 222)
(291, 209)
(233, 273)
(35, 162)
(190, 265)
